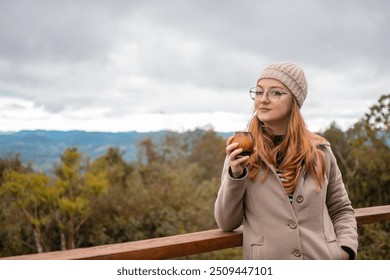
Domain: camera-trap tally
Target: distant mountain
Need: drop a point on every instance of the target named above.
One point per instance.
(42, 148)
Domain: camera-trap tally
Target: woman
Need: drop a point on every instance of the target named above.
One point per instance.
(289, 193)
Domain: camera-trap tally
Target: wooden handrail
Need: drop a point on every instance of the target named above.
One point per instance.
(372, 215)
(149, 249)
(179, 245)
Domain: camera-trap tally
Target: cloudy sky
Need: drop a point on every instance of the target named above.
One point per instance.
(151, 65)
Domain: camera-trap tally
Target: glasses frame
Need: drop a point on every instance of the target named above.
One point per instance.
(253, 94)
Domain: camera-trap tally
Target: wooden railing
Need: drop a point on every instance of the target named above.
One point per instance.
(179, 245)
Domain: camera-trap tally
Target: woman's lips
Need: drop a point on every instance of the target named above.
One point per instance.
(264, 110)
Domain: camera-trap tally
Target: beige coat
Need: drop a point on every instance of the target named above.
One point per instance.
(314, 226)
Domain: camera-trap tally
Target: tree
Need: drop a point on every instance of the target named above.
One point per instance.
(13, 162)
(15, 236)
(369, 158)
(115, 219)
(79, 185)
(340, 146)
(33, 197)
(161, 194)
(209, 153)
(369, 180)
(378, 119)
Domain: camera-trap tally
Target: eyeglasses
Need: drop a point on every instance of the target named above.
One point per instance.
(274, 94)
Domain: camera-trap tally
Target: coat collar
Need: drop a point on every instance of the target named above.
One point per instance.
(318, 140)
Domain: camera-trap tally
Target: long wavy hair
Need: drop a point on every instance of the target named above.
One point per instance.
(297, 151)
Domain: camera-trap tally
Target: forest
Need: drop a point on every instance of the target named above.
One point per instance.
(169, 189)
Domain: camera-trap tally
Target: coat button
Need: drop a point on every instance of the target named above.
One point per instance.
(297, 253)
(299, 198)
(292, 225)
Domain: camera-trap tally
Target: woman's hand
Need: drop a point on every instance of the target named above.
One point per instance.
(237, 165)
(345, 255)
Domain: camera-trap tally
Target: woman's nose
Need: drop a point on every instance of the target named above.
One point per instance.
(264, 98)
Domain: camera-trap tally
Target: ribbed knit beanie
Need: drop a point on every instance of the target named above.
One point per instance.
(291, 76)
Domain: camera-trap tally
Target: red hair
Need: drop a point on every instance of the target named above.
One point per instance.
(297, 149)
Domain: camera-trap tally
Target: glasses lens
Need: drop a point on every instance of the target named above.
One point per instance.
(252, 93)
(275, 94)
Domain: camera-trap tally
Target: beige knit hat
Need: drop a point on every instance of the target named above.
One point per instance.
(291, 76)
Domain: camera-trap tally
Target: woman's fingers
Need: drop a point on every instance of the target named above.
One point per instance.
(231, 148)
(229, 140)
(237, 164)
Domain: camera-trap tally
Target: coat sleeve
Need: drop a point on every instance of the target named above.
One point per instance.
(340, 208)
(229, 205)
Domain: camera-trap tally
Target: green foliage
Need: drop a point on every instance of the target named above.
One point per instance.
(14, 236)
(12, 162)
(163, 193)
(30, 195)
(374, 241)
(51, 208)
(369, 157)
(78, 185)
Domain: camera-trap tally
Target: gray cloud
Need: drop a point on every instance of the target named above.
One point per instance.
(190, 56)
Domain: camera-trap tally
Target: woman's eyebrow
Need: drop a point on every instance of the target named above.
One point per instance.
(273, 87)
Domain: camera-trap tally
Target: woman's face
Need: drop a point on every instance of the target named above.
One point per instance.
(274, 103)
